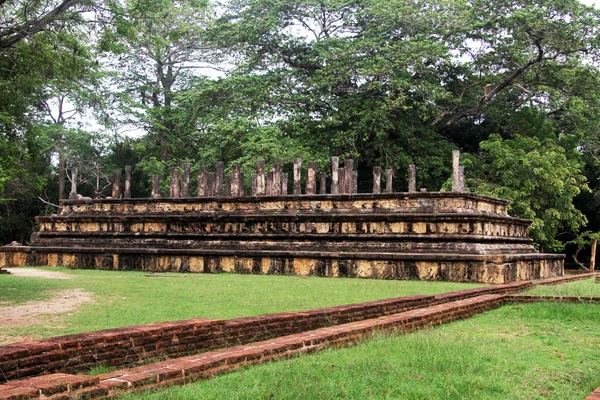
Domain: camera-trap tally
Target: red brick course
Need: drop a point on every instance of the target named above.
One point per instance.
(228, 345)
(208, 364)
(146, 343)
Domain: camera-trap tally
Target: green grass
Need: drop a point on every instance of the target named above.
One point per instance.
(587, 287)
(130, 298)
(533, 351)
(15, 289)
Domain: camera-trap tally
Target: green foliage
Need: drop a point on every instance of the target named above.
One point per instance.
(386, 82)
(539, 179)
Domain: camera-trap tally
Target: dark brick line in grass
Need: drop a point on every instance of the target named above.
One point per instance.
(174, 338)
(152, 342)
(204, 366)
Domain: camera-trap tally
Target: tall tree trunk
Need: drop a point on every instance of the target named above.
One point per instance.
(61, 169)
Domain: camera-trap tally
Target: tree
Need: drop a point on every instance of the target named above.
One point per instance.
(160, 45)
(395, 83)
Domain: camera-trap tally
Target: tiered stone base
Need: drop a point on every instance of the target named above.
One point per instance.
(460, 237)
(445, 267)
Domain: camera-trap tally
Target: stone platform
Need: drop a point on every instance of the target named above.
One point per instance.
(453, 236)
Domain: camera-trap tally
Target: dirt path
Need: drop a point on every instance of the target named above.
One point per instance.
(32, 312)
(37, 273)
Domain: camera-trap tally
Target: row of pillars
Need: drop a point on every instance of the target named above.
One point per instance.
(344, 180)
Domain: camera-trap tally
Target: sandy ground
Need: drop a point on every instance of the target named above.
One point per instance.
(32, 312)
(37, 273)
(39, 312)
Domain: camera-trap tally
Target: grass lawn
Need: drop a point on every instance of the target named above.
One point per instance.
(585, 288)
(533, 351)
(130, 298)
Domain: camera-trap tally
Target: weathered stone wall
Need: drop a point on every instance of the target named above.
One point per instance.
(437, 236)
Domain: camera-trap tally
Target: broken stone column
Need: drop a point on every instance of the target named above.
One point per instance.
(227, 185)
(174, 189)
(377, 179)
(73, 194)
(185, 180)
(335, 164)
(219, 178)
(203, 182)
(341, 180)
(254, 178)
(323, 185)
(211, 184)
(461, 179)
(241, 189)
(389, 177)
(456, 171)
(276, 185)
(412, 178)
(116, 189)
(270, 183)
(260, 178)
(156, 187)
(284, 184)
(297, 176)
(354, 181)
(127, 193)
(348, 175)
(235, 180)
(311, 178)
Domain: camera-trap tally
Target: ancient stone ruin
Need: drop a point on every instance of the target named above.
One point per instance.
(327, 229)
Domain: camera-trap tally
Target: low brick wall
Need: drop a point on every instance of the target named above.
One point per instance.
(240, 341)
(144, 343)
(551, 299)
(202, 366)
(559, 280)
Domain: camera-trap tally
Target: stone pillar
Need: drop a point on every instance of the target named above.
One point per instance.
(276, 179)
(284, 184)
(116, 189)
(73, 194)
(219, 178)
(227, 185)
(127, 193)
(210, 186)
(323, 185)
(203, 182)
(335, 164)
(389, 177)
(456, 171)
(235, 180)
(297, 176)
(311, 178)
(260, 178)
(185, 180)
(254, 178)
(241, 189)
(341, 180)
(354, 181)
(348, 175)
(461, 179)
(174, 190)
(156, 187)
(270, 183)
(412, 178)
(377, 179)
